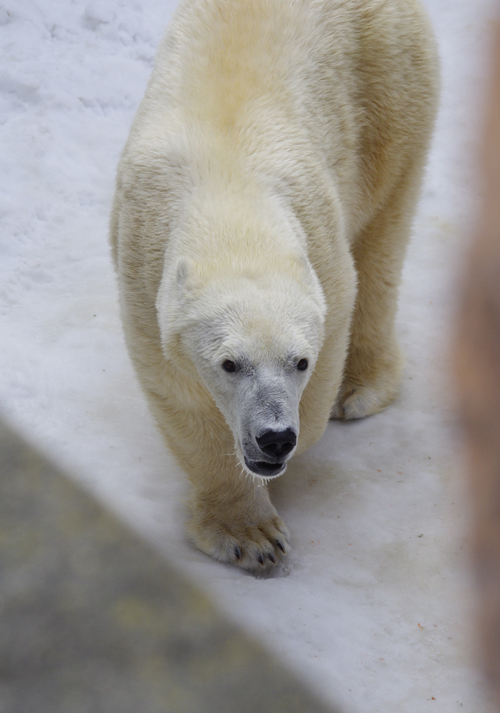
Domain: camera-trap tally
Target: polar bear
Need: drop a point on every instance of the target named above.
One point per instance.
(262, 211)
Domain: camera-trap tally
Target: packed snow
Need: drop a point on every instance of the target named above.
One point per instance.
(374, 607)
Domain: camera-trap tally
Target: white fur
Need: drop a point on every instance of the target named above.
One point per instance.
(261, 217)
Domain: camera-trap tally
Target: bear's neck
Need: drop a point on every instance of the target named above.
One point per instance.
(239, 222)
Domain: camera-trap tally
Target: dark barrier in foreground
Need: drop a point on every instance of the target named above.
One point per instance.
(93, 621)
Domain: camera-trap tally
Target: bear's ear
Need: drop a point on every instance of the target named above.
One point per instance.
(172, 297)
(315, 287)
(182, 270)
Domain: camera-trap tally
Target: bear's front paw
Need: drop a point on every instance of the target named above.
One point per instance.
(360, 401)
(254, 544)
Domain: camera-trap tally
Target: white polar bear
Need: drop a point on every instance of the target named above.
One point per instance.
(262, 212)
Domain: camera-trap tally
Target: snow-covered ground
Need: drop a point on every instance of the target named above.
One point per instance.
(374, 606)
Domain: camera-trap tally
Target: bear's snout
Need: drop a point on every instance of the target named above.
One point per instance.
(277, 444)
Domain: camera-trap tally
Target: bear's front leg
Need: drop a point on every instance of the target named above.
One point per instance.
(374, 362)
(231, 517)
(235, 522)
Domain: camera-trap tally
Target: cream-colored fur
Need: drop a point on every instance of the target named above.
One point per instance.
(261, 217)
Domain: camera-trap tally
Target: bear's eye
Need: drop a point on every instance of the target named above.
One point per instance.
(229, 366)
(302, 365)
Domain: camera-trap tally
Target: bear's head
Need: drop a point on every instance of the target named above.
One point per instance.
(254, 335)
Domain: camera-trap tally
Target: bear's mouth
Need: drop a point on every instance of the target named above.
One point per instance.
(264, 469)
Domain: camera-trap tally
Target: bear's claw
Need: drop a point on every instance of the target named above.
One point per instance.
(255, 548)
(281, 546)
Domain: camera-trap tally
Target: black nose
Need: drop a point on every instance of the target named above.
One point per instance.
(277, 444)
